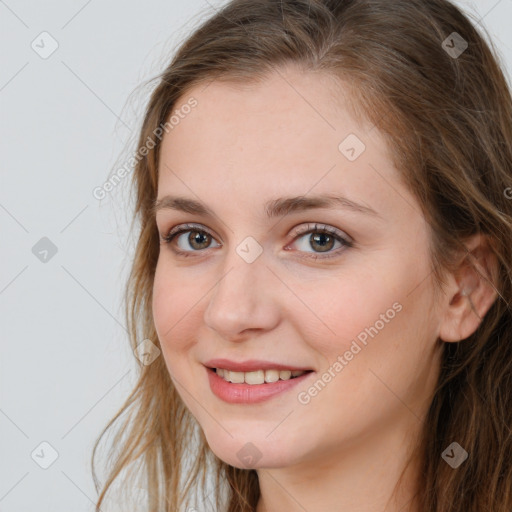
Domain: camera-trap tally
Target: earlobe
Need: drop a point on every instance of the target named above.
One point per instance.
(471, 291)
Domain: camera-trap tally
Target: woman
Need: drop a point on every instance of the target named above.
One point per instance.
(376, 376)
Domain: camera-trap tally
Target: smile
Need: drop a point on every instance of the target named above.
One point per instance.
(258, 376)
(257, 389)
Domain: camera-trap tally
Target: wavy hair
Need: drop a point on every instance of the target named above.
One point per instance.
(447, 120)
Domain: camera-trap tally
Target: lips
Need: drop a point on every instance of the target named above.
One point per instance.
(251, 365)
(244, 393)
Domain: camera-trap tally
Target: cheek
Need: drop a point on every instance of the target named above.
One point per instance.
(173, 307)
(373, 316)
(341, 308)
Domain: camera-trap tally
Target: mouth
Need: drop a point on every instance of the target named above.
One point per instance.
(255, 386)
(257, 377)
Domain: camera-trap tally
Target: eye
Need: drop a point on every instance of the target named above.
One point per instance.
(198, 238)
(322, 239)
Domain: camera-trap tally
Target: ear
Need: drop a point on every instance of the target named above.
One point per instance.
(470, 291)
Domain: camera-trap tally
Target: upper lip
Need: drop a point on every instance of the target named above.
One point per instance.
(250, 365)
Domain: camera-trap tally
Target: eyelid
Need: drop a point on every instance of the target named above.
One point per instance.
(315, 226)
(178, 230)
(296, 231)
(187, 227)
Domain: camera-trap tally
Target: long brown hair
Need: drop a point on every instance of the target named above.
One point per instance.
(443, 103)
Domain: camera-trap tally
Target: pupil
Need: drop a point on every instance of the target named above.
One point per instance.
(322, 237)
(195, 237)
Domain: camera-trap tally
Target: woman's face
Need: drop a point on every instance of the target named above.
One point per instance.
(354, 303)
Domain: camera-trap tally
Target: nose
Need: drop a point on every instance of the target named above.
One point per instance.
(244, 299)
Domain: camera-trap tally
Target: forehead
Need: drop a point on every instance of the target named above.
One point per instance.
(317, 98)
(288, 133)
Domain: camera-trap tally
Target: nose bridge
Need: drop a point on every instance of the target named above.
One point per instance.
(241, 298)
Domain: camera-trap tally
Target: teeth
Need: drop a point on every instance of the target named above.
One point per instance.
(236, 377)
(272, 375)
(258, 376)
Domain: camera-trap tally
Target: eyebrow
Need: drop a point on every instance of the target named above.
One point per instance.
(273, 208)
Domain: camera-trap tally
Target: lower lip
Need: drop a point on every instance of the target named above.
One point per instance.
(250, 393)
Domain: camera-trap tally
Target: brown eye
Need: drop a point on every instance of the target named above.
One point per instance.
(197, 240)
(322, 239)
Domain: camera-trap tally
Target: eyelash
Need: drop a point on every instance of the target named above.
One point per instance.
(173, 233)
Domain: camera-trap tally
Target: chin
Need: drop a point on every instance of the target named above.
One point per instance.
(257, 453)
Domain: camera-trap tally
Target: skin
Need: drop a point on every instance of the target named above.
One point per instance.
(240, 147)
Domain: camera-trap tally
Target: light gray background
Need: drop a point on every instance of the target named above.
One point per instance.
(67, 122)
